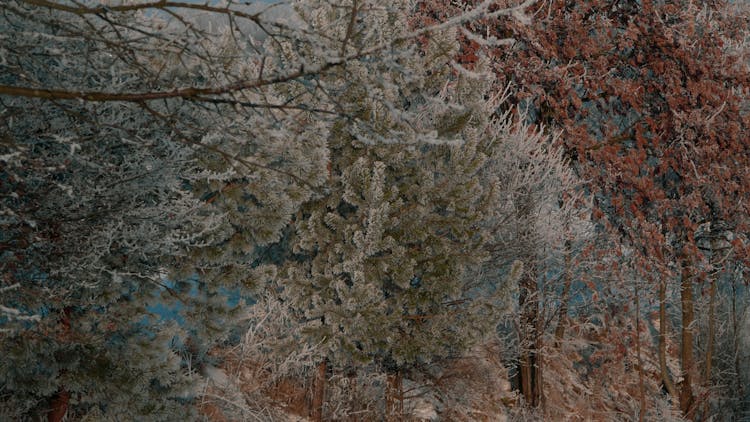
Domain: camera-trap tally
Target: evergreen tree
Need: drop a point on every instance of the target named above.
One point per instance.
(394, 265)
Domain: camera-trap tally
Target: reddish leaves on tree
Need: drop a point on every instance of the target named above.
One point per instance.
(650, 102)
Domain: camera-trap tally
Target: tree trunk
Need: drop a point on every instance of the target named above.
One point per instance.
(528, 368)
(665, 378)
(538, 378)
(686, 351)
(59, 406)
(319, 385)
(739, 385)
(710, 341)
(568, 276)
(641, 388)
(394, 398)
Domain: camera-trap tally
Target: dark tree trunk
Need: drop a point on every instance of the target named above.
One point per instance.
(665, 377)
(394, 397)
(641, 387)
(529, 370)
(568, 277)
(686, 298)
(319, 385)
(59, 406)
(59, 403)
(710, 340)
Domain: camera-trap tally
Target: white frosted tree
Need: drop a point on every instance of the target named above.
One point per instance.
(137, 169)
(545, 223)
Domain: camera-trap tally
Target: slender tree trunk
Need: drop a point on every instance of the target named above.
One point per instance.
(59, 404)
(568, 276)
(539, 366)
(665, 377)
(739, 392)
(528, 360)
(319, 385)
(641, 388)
(710, 341)
(525, 376)
(686, 353)
(394, 398)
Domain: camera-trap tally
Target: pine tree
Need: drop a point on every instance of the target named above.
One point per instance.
(400, 263)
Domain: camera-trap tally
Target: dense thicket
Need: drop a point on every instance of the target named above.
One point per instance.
(154, 153)
(650, 98)
(394, 179)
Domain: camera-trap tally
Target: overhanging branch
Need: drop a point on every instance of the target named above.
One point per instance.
(139, 97)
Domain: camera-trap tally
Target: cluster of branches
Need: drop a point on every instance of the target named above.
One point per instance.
(650, 99)
(154, 154)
